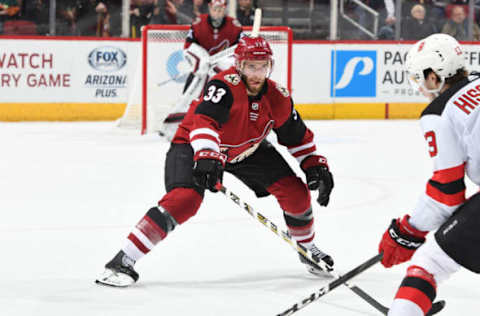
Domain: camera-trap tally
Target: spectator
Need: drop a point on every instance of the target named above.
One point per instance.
(141, 12)
(37, 11)
(457, 25)
(8, 10)
(66, 18)
(415, 26)
(386, 9)
(199, 7)
(245, 12)
(175, 11)
(92, 18)
(114, 13)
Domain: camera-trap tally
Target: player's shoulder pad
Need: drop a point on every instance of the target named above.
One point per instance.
(437, 106)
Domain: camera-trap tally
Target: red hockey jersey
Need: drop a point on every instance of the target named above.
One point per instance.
(226, 119)
(214, 39)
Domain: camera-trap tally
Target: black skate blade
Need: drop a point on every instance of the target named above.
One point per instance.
(436, 307)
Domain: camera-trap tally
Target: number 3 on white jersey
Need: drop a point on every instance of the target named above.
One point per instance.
(214, 94)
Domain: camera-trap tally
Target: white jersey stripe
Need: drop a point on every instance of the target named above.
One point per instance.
(300, 158)
(207, 131)
(202, 143)
(299, 148)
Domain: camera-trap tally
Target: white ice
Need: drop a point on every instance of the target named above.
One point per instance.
(70, 192)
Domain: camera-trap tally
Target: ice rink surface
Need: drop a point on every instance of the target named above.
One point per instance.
(70, 192)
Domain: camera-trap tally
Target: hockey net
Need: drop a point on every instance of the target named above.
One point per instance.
(162, 71)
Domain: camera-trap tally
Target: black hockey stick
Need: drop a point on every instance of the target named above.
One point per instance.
(330, 286)
(287, 238)
(438, 306)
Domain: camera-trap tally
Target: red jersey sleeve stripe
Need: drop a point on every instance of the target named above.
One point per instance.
(450, 174)
(416, 296)
(445, 198)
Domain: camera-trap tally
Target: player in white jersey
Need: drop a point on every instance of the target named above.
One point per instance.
(451, 127)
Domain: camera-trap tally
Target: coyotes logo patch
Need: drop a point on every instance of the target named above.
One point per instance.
(283, 90)
(232, 78)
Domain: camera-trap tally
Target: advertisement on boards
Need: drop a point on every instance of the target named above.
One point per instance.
(65, 70)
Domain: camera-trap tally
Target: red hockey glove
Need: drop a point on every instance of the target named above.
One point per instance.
(400, 241)
(208, 168)
(318, 177)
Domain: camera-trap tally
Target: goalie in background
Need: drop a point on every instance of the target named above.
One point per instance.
(226, 129)
(451, 127)
(209, 34)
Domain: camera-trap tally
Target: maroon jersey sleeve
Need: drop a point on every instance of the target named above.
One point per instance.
(191, 33)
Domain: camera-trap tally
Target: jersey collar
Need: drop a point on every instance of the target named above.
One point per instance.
(209, 20)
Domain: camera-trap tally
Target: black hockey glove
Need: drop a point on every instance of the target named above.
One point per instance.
(318, 177)
(208, 168)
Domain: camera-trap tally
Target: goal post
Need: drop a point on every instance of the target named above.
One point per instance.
(161, 72)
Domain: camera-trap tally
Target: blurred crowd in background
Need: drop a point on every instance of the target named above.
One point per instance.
(309, 19)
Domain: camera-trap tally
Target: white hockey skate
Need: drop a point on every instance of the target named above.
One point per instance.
(317, 255)
(118, 272)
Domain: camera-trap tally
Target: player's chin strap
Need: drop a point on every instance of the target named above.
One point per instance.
(436, 307)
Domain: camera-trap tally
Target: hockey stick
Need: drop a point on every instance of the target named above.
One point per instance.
(436, 307)
(257, 21)
(305, 252)
(177, 76)
(330, 286)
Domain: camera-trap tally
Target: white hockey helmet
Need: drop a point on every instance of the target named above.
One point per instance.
(439, 52)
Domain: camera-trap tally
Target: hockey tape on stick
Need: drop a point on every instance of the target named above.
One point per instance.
(330, 286)
(287, 238)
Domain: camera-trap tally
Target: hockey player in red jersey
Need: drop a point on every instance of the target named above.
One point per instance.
(214, 31)
(226, 130)
(209, 34)
(451, 127)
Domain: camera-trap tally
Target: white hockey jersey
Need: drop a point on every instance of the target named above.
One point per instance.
(451, 127)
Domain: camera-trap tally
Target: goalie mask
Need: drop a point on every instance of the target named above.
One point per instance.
(440, 53)
(216, 9)
(253, 48)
